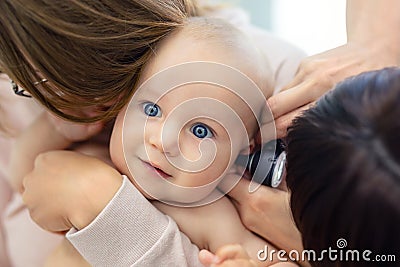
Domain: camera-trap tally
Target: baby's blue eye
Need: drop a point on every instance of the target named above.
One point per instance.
(201, 131)
(151, 109)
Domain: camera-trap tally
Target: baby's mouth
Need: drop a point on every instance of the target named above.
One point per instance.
(161, 172)
(158, 170)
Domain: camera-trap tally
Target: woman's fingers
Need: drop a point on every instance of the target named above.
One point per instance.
(291, 99)
(287, 105)
(278, 128)
(240, 192)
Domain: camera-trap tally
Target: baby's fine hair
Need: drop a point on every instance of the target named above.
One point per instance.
(231, 39)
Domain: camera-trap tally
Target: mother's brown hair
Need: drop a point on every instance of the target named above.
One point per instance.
(343, 168)
(91, 52)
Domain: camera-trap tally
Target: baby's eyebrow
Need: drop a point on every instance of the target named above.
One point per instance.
(150, 93)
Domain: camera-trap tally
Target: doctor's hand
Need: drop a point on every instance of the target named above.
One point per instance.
(267, 213)
(67, 189)
(318, 74)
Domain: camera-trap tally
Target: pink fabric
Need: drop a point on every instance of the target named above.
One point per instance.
(27, 244)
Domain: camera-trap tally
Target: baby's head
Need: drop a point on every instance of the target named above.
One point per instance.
(343, 166)
(197, 107)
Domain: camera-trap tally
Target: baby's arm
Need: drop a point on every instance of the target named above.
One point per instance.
(115, 224)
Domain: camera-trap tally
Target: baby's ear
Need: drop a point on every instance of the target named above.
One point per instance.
(248, 149)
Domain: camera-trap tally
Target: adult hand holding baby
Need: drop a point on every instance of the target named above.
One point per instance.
(267, 207)
(319, 73)
(372, 43)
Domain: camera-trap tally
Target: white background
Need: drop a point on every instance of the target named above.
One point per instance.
(313, 25)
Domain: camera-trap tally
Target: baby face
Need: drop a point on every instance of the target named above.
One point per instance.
(177, 142)
(188, 138)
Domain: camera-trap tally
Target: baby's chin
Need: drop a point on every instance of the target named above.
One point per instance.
(176, 195)
(190, 197)
(146, 195)
(202, 201)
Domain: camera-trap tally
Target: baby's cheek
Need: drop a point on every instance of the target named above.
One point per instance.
(220, 163)
(189, 147)
(224, 154)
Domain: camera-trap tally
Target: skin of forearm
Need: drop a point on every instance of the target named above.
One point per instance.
(375, 23)
(41, 136)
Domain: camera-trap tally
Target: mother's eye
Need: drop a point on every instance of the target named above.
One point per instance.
(151, 109)
(201, 131)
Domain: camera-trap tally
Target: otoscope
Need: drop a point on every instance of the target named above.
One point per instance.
(267, 165)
